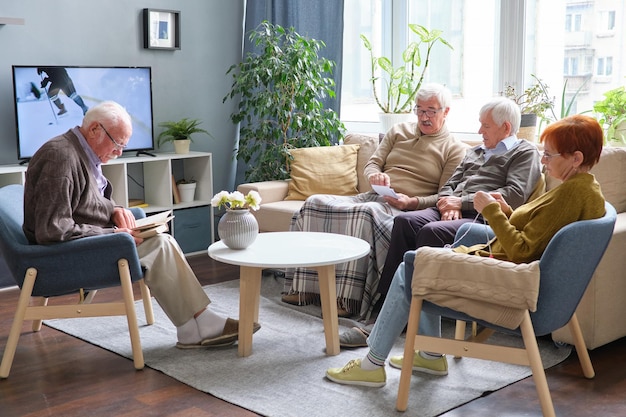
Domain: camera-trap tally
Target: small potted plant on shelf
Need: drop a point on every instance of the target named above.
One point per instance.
(400, 84)
(612, 115)
(187, 190)
(179, 133)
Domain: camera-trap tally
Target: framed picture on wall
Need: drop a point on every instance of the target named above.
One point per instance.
(161, 29)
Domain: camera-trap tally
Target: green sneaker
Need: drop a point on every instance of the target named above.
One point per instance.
(352, 374)
(429, 366)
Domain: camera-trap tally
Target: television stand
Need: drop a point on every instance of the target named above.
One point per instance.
(145, 153)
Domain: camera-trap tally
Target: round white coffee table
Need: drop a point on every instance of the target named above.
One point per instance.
(319, 251)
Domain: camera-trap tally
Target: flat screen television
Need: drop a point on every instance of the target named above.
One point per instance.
(49, 100)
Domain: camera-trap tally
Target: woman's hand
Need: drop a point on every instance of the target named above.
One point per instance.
(482, 199)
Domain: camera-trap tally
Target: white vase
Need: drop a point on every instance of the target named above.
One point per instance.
(387, 120)
(187, 192)
(238, 229)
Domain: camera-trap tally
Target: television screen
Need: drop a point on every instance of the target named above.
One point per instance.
(50, 100)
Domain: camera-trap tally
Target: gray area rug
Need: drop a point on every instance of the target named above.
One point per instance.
(284, 376)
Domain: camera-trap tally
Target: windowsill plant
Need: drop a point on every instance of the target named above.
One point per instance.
(612, 112)
(398, 85)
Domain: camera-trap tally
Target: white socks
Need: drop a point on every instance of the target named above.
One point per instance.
(188, 333)
(210, 324)
(207, 325)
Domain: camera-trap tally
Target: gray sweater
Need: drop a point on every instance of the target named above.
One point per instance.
(514, 174)
(61, 198)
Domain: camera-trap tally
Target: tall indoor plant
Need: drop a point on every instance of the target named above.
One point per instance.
(395, 87)
(280, 87)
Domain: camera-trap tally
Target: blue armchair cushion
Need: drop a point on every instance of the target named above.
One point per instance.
(62, 268)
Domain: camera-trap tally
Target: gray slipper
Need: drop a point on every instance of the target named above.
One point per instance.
(353, 338)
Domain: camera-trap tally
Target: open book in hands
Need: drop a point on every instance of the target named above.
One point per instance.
(152, 225)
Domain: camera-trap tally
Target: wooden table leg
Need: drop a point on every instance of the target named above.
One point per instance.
(249, 296)
(328, 296)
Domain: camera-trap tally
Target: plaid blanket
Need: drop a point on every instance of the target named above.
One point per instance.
(365, 216)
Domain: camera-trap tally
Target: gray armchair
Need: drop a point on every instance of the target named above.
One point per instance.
(81, 266)
(565, 270)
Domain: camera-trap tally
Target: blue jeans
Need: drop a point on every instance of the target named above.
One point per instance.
(394, 316)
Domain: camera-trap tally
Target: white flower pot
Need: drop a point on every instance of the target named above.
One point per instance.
(387, 120)
(187, 192)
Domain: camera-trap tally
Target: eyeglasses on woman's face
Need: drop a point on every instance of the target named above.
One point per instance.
(548, 156)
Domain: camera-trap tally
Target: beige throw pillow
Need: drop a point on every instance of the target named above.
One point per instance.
(323, 170)
(368, 145)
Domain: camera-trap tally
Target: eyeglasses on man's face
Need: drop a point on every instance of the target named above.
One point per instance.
(548, 156)
(428, 113)
(118, 146)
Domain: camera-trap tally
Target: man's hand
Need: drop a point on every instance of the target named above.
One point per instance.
(403, 202)
(379, 178)
(123, 218)
(449, 207)
(449, 203)
(133, 233)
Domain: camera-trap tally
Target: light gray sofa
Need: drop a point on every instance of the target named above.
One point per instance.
(275, 213)
(602, 311)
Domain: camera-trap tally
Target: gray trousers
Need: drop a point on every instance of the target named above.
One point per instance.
(170, 278)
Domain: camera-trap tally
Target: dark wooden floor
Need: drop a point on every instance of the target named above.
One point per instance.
(58, 375)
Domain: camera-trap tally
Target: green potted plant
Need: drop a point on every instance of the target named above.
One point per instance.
(533, 102)
(612, 115)
(280, 87)
(179, 133)
(399, 84)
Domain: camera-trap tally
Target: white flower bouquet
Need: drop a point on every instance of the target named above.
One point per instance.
(236, 200)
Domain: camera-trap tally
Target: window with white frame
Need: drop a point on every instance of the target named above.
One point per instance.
(487, 49)
(607, 20)
(571, 66)
(573, 22)
(604, 66)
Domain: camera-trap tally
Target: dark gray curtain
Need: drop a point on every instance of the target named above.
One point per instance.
(317, 19)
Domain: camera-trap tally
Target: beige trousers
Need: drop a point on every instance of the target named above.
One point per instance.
(170, 278)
